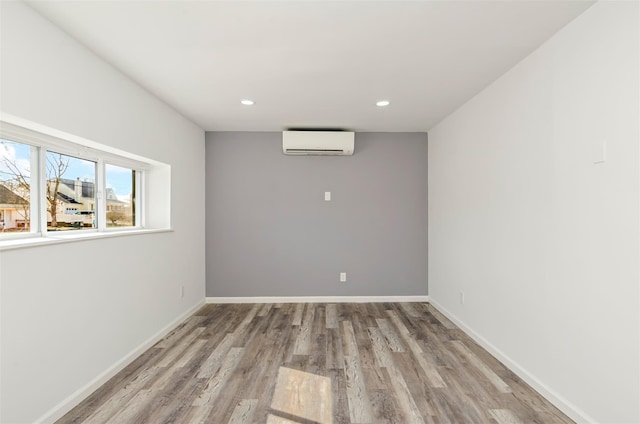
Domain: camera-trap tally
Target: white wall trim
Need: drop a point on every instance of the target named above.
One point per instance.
(36, 240)
(551, 395)
(79, 395)
(318, 299)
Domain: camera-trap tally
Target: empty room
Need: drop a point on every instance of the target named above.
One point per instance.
(320, 212)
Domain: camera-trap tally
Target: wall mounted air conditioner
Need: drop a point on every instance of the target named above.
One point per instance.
(337, 143)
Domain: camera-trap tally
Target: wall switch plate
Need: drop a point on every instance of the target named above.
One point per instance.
(599, 151)
(343, 277)
(327, 196)
(181, 292)
(462, 298)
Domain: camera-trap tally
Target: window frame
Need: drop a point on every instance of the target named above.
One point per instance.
(43, 195)
(41, 143)
(34, 192)
(137, 188)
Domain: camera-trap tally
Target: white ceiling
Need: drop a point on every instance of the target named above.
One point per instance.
(313, 63)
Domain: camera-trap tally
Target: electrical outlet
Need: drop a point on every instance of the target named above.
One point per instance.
(343, 277)
(462, 298)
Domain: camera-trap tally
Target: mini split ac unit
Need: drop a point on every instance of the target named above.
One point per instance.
(337, 143)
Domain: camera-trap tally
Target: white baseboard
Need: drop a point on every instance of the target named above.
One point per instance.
(552, 396)
(318, 299)
(74, 399)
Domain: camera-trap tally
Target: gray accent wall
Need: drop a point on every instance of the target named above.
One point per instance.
(271, 233)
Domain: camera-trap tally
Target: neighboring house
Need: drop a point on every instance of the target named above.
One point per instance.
(14, 210)
(116, 205)
(76, 195)
(77, 202)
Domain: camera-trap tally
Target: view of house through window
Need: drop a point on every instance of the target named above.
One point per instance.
(120, 196)
(44, 189)
(15, 189)
(70, 192)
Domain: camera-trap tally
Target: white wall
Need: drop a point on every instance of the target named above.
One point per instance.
(543, 242)
(64, 324)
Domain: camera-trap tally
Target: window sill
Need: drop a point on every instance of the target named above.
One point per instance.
(21, 243)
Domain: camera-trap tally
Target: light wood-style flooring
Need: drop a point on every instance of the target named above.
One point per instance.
(316, 364)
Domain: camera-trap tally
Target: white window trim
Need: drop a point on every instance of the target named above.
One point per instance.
(102, 198)
(47, 139)
(24, 242)
(34, 188)
(101, 204)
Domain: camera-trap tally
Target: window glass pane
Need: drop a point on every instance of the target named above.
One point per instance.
(120, 196)
(15, 187)
(70, 192)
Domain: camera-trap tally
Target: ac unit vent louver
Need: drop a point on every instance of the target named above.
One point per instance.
(328, 143)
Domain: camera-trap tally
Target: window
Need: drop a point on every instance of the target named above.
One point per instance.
(53, 186)
(70, 187)
(120, 196)
(15, 187)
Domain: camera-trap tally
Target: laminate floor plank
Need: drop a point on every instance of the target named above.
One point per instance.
(335, 356)
(174, 402)
(206, 310)
(223, 322)
(375, 378)
(350, 347)
(343, 363)
(440, 317)
(356, 391)
(317, 359)
(297, 316)
(190, 353)
(467, 398)
(243, 412)
(411, 311)
(206, 401)
(131, 409)
(331, 316)
(180, 331)
(304, 333)
(381, 351)
(215, 384)
(383, 407)
(338, 389)
(482, 367)
(366, 355)
(213, 362)
(434, 378)
(178, 349)
(393, 339)
(116, 402)
(362, 313)
(247, 326)
(404, 399)
(409, 323)
(423, 399)
(264, 311)
(504, 416)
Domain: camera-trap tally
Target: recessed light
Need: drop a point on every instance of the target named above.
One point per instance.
(247, 102)
(383, 103)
